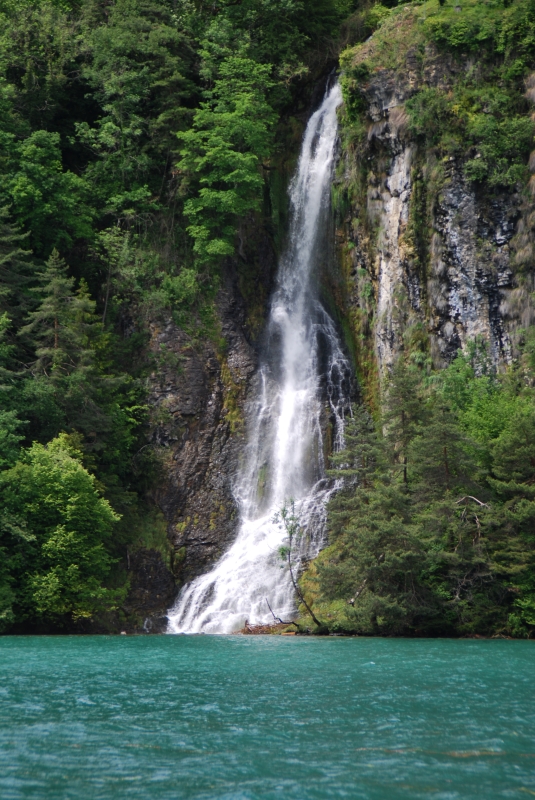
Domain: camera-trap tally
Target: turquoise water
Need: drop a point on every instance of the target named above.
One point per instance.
(168, 717)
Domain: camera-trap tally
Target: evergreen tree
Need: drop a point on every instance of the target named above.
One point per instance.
(50, 325)
(66, 385)
(363, 457)
(375, 564)
(439, 454)
(403, 411)
(10, 425)
(15, 269)
(370, 575)
(512, 526)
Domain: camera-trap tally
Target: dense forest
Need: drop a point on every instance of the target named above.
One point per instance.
(138, 140)
(434, 532)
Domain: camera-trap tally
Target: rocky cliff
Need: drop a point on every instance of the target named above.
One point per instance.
(431, 248)
(198, 395)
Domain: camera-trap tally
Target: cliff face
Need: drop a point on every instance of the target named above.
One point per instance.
(198, 394)
(429, 255)
(462, 293)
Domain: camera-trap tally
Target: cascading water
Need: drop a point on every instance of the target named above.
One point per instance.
(302, 366)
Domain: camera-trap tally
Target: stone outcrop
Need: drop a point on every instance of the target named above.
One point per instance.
(462, 288)
(152, 591)
(198, 392)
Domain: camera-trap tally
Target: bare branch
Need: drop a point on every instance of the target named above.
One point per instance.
(470, 497)
(358, 592)
(278, 619)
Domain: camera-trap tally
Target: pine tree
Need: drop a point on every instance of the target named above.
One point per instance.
(371, 573)
(363, 456)
(368, 580)
(450, 510)
(66, 382)
(48, 324)
(511, 528)
(439, 454)
(15, 269)
(10, 424)
(64, 324)
(403, 411)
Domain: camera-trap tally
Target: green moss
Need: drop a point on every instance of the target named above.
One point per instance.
(151, 534)
(177, 560)
(233, 399)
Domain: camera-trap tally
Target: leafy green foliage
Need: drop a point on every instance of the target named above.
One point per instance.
(488, 114)
(15, 268)
(138, 67)
(480, 115)
(433, 531)
(231, 134)
(52, 203)
(53, 529)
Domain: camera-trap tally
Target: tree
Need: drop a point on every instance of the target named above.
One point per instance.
(451, 549)
(289, 521)
(10, 424)
(438, 454)
(50, 324)
(139, 66)
(368, 579)
(371, 573)
(11, 437)
(50, 202)
(513, 525)
(222, 154)
(55, 530)
(363, 457)
(64, 327)
(15, 541)
(403, 410)
(66, 388)
(15, 269)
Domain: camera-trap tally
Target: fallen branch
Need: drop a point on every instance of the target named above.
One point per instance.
(262, 630)
(278, 619)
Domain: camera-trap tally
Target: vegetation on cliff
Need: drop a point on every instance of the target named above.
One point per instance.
(135, 142)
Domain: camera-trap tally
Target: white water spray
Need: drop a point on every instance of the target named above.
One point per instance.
(302, 369)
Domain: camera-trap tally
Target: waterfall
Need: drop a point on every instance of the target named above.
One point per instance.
(302, 371)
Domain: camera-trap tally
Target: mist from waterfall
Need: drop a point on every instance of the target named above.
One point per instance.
(302, 370)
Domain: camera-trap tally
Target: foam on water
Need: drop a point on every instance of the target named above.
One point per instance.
(301, 369)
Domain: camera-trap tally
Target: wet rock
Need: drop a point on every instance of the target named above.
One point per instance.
(462, 287)
(152, 591)
(198, 394)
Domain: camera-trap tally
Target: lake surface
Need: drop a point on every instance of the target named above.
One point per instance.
(162, 718)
